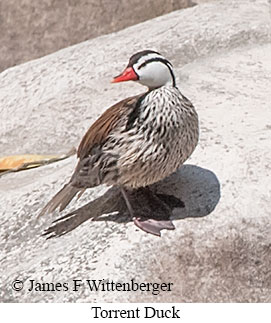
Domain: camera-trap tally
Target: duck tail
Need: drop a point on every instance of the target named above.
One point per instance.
(61, 199)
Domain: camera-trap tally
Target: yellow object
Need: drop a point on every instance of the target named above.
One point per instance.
(10, 162)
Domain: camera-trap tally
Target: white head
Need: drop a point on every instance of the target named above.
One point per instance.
(148, 68)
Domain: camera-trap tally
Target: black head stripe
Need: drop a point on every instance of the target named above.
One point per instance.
(136, 57)
(155, 59)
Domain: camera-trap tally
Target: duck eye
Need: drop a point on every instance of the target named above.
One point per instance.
(142, 65)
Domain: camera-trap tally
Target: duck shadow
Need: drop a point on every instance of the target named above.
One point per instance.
(191, 191)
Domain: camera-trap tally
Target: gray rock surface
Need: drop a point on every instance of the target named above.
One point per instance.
(31, 29)
(221, 248)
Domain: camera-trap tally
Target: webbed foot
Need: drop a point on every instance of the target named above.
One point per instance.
(151, 212)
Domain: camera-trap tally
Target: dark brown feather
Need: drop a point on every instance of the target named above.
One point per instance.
(100, 129)
(96, 135)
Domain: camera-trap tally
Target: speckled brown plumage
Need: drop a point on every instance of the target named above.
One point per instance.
(141, 139)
